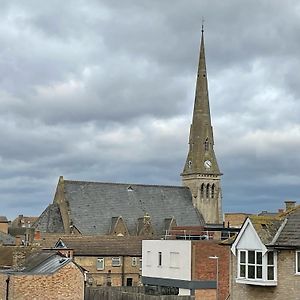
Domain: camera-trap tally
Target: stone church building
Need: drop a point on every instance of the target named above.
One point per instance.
(97, 208)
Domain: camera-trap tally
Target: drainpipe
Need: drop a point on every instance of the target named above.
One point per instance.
(123, 267)
(7, 287)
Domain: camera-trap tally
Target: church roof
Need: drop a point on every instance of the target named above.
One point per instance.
(93, 205)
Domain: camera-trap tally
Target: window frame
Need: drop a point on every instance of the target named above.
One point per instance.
(116, 261)
(260, 266)
(102, 261)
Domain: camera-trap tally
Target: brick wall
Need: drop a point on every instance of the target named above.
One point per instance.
(204, 268)
(288, 284)
(66, 284)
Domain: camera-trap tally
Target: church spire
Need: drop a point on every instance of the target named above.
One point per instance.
(201, 157)
(201, 172)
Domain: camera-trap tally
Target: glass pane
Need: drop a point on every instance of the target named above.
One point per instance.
(251, 257)
(243, 256)
(270, 273)
(270, 258)
(259, 258)
(251, 272)
(298, 262)
(259, 272)
(242, 271)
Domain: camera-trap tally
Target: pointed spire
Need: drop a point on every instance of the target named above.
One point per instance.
(201, 157)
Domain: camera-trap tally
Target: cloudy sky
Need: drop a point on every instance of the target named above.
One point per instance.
(103, 91)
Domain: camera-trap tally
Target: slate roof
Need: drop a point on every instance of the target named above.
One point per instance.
(3, 219)
(50, 220)
(103, 245)
(44, 262)
(92, 206)
(7, 239)
(289, 236)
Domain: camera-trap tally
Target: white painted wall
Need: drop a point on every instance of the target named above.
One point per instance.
(176, 259)
(250, 240)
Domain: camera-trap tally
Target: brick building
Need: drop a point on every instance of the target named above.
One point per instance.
(265, 259)
(199, 268)
(45, 275)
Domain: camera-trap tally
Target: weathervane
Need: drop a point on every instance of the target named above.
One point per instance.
(202, 25)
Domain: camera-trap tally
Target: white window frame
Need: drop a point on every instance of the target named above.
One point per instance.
(264, 265)
(148, 258)
(297, 265)
(100, 260)
(116, 261)
(174, 260)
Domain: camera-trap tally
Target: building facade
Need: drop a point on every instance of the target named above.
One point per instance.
(265, 259)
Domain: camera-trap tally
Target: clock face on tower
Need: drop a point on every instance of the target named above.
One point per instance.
(207, 164)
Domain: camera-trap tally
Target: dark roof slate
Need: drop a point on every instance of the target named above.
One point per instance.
(44, 262)
(94, 204)
(7, 239)
(290, 234)
(50, 220)
(117, 246)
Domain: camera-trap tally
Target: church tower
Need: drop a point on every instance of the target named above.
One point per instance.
(201, 172)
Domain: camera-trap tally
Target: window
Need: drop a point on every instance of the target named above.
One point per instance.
(148, 258)
(253, 265)
(100, 263)
(207, 190)
(270, 266)
(134, 261)
(206, 145)
(159, 259)
(213, 191)
(298, 262)
(141, 264)
(202, 190)
(174, 260)
(116, 261)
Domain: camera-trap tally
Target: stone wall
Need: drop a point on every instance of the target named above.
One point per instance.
(288, 284)
(116, 275)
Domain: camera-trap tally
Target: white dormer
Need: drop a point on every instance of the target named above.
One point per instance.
(256, 264)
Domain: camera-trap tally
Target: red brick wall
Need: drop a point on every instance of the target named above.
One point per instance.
(66, 284)
(204, 268)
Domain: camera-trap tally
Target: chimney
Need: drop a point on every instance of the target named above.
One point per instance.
(289, 204)
(18, 240)
(37, 235)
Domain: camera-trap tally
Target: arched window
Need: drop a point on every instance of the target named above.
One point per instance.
(213, 191)
(207, 190)
(206, 145)
(202, 190)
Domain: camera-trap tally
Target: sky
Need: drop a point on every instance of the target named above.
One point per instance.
(104, 91)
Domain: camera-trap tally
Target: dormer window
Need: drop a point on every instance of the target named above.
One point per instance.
(190, 164)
